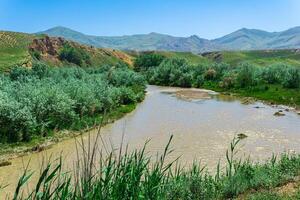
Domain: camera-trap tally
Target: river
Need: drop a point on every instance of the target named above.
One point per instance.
(202, 124)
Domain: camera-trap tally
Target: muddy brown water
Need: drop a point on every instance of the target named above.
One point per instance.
(202, 129)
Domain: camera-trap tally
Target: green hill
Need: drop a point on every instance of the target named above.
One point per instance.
(190, 57)
(259, 57)
(22, 49)
(13, 49)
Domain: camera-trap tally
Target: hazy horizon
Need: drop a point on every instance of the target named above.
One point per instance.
(208, 20)
(164, 33)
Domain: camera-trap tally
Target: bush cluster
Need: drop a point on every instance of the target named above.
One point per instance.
(34, 101)
(147, 61)
(74, 55)
(178, 72)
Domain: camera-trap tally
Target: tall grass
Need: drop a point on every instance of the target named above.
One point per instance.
(101, 173)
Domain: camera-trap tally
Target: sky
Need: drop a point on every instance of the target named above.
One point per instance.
(206, 18)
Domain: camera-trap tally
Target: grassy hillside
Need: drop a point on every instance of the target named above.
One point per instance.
(13, 49)
(234, 58)
(21, 49)
(261, 58)
(192, 58)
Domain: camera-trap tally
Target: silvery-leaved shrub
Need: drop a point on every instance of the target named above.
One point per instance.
(38, 100)
(292, 78)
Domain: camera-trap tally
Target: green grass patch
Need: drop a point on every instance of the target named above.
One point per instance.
(271, 93)
(13, 49)
(258, 57)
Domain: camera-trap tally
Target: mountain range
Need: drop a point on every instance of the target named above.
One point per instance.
(243, 39)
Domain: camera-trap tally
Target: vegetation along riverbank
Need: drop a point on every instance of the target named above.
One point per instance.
(277, 83)
(126, 175)
(38, 103)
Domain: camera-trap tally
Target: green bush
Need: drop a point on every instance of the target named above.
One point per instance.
(74, 55)
(173, 72)
(19, 73)
(16, 121)
(274, 74)
(36, 54)
(228, 81)
(292, 78)
(246, 75)
(40, 70)
(42, 99)
(146, 61)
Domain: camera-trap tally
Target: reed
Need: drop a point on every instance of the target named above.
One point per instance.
(104, 173)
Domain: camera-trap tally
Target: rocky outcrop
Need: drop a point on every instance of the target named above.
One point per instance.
(48, 49)
(47, 45)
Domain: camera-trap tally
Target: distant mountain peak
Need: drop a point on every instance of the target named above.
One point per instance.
(154, 33)
(242, 39)
(60, 30)
(244, 29)
(291, 31)
(194, 36)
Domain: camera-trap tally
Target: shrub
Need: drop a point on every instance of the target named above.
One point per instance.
(220, 70)
(274, 74)
(173, 72)
(146, 61)
(292, 78)
(246, 75)
(228, 80)
(16, 121)
(18, 73)
(38, 100)
(74, 55)
(36, 54)
(210, 74)
(40, 69)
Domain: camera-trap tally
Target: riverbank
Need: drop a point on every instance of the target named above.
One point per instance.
(135, 176)
(44, 105)
(11, 151)
(269, 94)
(38, 144)
(277, 84)
(202, 130)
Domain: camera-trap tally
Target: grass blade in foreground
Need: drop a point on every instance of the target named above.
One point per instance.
(136, 176)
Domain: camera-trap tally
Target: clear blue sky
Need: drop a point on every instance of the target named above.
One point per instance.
(206, 18)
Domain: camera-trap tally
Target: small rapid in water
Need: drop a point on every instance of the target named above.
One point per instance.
(203, 124)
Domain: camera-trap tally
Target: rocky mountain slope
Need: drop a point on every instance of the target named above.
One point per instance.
(141, 42)
(21, 49)
(243, 39)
